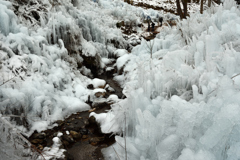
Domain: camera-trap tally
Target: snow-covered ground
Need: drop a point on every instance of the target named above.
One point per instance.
(38, 74)
(167, 5)
(41, 64)
(181, 104)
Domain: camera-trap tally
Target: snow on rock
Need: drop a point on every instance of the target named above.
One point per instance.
(74, 104)
(54, 151)
(105, 120)
(88, 49)
(99, 92)
(113, 98)
(40, 125)
(122, 61)
(98, 83)
(120, 52)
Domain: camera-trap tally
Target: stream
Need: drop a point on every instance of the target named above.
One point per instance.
(82, 138)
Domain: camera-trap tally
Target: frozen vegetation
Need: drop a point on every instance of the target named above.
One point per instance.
(183, 103)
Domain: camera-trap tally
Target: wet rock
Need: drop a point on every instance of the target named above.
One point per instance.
(65, 143)
(84, 131)
(95, 140)
(75, 134)
(104, 145)
(86, 122)
(39, 136)
(68, 138)
(68, 127)
(92, 120)
(99, 103)
(120, 24)
(99, 92)
(40, 147)
(68, 156)
(110, 90)
(110, 71)
(73, 127)
(37, 141)
(92, 63)
(92, 110)
(90, 86)
(49, 141)
(59, 122)
(84, 136)
(89, 101)
(57, 134)
(86, 72)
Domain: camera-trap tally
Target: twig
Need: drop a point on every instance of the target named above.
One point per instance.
(37, 150)
(150, 47)
(7, 80)
(31, 145)
(119, 144)
(116, 153)
(235, 76)
(125, 133)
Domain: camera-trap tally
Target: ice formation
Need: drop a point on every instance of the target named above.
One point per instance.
(183, 103)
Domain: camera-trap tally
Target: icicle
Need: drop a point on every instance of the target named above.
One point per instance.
(54, 31)
(42, 23)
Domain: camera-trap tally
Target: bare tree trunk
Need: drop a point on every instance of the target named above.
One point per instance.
(209, 3)
(179, 9)
(184, 3)
(185, 8)
(201, 7)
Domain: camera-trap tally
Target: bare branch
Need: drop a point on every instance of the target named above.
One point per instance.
(116, 153)
(8, 80)
(235, 76)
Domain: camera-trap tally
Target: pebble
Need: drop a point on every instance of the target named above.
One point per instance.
(75, 134)
(37, 141)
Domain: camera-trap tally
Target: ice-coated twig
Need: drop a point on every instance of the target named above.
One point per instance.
(116, 153)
